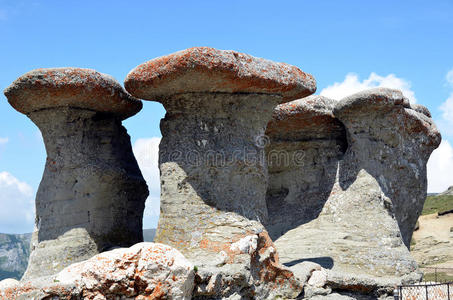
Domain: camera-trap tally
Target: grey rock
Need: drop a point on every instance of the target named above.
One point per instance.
(311, 292)
(373, 190)
(392, 140)
(211, 156)
(304, 270)
(92, 193)
(306, 142)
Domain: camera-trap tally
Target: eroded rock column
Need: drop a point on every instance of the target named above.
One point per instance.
(391, 140)
(306, 143)
(379, 188)
(211, 157)
(92, 193)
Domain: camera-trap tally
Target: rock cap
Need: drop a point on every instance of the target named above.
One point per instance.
(307, 118)
(371, 99)
(70, 87)
(410, 118)
(203, 69)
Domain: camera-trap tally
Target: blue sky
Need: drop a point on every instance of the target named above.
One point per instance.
(346, 45)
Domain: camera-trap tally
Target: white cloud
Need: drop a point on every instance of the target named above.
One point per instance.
(440, 168)
(352, 84)
(447, 109)
(3, 140)
(449, 77)
(146, 152)
(17, 205)
(446, 122)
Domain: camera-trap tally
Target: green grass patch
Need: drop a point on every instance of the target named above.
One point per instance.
(441, 277)
(434, 204)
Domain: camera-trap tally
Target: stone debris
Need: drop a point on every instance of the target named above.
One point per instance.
(92, 193)
(143, 271)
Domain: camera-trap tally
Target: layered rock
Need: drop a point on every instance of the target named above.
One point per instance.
(143, 271)
(306, 142)
(92, 193)
(211, 157)
(377, 196)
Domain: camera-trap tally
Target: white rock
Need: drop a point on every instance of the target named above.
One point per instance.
(8, 283)
(318, 278)
(157, 267)
(247, 244)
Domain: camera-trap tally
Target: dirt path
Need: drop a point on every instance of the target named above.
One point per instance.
(434, 241)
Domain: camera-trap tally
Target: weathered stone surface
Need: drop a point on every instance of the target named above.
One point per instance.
(213, 170)
(143, 271)
(70, 87)
(92, 193)
(203, 69)
(306, 142)
(392, 140)
(379, 179)
(356, 237)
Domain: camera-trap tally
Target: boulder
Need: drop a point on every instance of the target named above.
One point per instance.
(143, 271)
(211, 156)
(92, 193)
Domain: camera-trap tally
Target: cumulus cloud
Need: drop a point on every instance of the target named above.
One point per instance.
(352, 84)
(17, 205)
(449, 77)
(440, 168)
(446, 122)
(146, 152)
(3, 140)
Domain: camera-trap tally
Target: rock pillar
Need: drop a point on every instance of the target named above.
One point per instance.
(211, 156)
(92, 193)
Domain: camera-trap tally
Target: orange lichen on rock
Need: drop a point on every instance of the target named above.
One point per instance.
(204, 69)
(70, 87)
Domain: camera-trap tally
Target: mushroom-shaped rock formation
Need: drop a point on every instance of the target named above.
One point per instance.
(306, 143)
(211, 156)
(92, 193)
(376, 199)
(392, 140)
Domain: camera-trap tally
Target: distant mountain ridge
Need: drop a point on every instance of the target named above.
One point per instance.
(15, 249)
(448, 192)
(14, 252)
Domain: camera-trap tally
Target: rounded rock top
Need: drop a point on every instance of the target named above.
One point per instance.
(71, 87)
(304, 118)
(371, 99)
(208, 70)
(411, 118)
